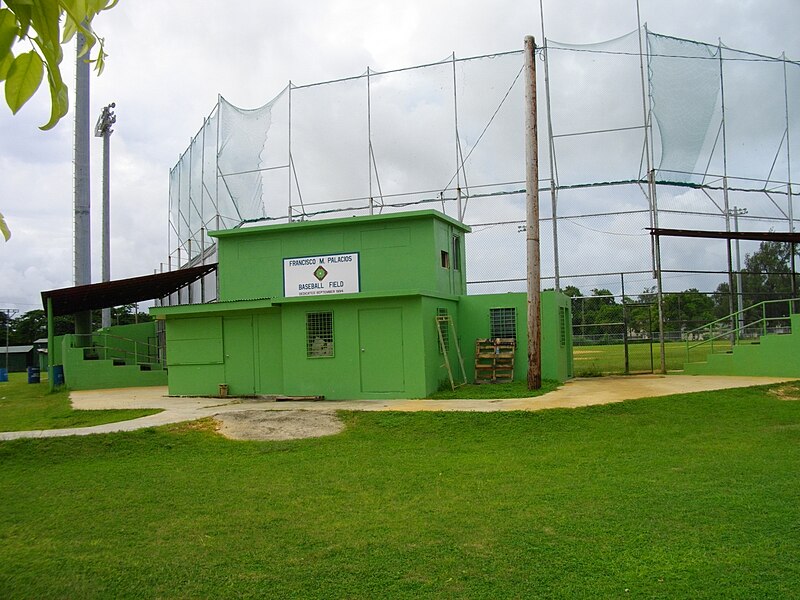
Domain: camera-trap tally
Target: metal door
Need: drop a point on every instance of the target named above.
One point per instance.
(381, 349)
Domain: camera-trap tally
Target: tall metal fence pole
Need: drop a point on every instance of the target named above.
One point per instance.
(459, 210)
(289, 137)
(625, 325)
(532, 219)
(790, 212)
(369, 143)
(725, 193)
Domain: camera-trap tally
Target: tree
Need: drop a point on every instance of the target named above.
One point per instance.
(32, 325)
(687, 309)
(38, 23)
(45, 25)
(128, 314)
(601, 307)
(767, 273)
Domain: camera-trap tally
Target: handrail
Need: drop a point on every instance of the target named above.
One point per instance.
(150, 352)
(736, 317)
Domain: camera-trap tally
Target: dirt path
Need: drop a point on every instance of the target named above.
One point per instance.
(278, 425)
(290, 420)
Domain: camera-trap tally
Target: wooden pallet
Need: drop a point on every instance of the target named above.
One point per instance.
(494, 360)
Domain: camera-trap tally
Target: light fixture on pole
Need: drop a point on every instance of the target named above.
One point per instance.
(103, 130)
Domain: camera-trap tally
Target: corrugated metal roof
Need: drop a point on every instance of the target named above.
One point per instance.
(16, 349)
(68, 301)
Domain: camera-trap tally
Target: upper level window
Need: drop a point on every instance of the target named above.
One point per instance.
(456, 253)
(445, 259)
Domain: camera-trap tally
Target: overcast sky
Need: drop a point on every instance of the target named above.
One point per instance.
(169, 60)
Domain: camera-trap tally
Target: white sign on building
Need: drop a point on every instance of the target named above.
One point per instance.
(321, 274)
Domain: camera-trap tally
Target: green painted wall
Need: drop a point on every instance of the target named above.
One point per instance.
(556, 333)
(774, 356)
(195, 355)
(436, 376)
(398, 252)
(94, 367)
(378, 350)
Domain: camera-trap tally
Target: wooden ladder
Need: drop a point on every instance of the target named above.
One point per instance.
(449, 327)
(494, 360)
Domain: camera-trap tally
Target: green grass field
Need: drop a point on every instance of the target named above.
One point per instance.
(691, 496)
(591, 361)
(29, 406)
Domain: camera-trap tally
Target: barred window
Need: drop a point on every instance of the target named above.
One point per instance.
(562, 325)
(319, 334)
(503, 323)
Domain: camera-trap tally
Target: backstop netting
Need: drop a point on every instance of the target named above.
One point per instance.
(715, 130)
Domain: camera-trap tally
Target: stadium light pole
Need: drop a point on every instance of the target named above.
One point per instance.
(103, 130)
(82, 242)
(532, 219)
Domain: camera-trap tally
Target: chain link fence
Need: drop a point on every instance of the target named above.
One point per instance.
(644, 131)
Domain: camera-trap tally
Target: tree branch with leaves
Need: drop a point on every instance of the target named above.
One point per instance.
(32, 35)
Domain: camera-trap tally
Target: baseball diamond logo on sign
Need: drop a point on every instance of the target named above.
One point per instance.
(320, 273)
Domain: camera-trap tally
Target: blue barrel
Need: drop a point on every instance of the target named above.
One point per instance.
(33, 375)
(58, 374)
(3, 374)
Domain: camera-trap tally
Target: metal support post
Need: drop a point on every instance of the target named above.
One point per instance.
(789, 199)
(625, 325)
(735, 211)
(552, 156)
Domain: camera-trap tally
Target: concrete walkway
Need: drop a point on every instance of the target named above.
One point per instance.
(573, 394)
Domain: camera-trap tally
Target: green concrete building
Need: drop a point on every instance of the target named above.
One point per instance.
(360, 307)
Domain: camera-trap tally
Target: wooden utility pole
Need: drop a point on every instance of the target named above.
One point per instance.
(532, 219)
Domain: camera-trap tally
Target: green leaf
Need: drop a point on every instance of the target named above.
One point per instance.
(59, 97)
(52, 54)
(59, 105)
(5, 65)
(70, 29)
(22, 10)
(8, 30)
(4, 228)
(45, 21)
(24, 78)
